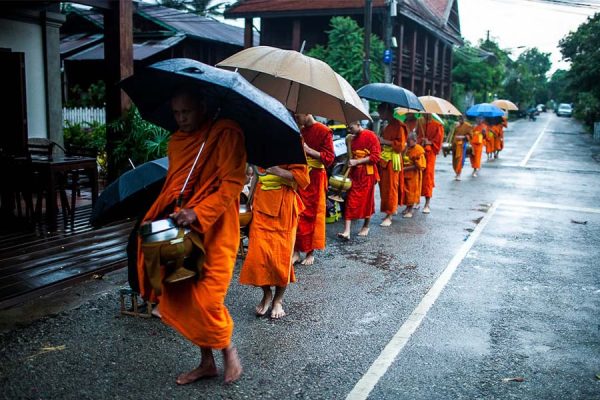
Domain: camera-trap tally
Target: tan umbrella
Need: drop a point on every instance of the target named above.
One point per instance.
(303, 84)
(506, 105)
(438, 105)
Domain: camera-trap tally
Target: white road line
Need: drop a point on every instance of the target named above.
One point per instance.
(379, 367)
(550, 206)
(528, 156)
(388, 355)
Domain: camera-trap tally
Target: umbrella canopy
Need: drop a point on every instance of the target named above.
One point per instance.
(303, 84)
(505, 105)
(390, 93)
(131, 194)
(438, 105)
(401, 112)
(272, 135)
(484, 110)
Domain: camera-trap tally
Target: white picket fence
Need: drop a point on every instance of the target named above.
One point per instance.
(81, 115)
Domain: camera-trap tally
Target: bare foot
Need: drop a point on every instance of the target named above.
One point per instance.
(309, 260)
(344, 236)
(426, 210)
(408, 215)
(156, 312)
(263, 306)
(295, 257)
(363, 232)
(232, 364)
(209, 370)
(406, 210)
(277, 311)
(387, 221)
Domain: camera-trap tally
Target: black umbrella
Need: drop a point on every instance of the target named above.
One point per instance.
(390, 93)
(131, 194)
(272, 135)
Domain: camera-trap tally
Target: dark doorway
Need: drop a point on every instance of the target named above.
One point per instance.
(13, 139)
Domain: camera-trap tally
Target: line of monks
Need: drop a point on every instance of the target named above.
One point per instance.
(289, 209)
(469, 140)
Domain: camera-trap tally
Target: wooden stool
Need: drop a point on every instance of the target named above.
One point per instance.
(134, 304)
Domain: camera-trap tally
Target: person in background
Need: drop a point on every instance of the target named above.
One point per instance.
(476, 140)
(462, 131)
(414, 165)
(430, 135)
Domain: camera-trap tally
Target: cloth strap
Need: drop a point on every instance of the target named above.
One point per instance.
(274, 182)
(388, 154)
(314, 163)
(362, 154)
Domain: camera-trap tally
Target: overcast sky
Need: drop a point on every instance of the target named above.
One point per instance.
(514, 23)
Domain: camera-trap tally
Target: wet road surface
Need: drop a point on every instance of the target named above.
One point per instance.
(493, 295)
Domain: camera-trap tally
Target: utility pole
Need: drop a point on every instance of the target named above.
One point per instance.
(367, 45)
(387, 39)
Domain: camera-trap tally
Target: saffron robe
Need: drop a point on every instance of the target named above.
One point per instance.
(498, 137)
(311, 225)
(389, 184)
(196, 307)
(360, 199)
(489, 140)
(273, 232)
(459, 142)
(476, 141)
(413, 156)
(433, 131)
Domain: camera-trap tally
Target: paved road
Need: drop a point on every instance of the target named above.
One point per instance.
(500, 282)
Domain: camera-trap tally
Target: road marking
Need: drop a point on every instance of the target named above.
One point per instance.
(388, 355)
(379, 367)
(528, 156)
(550, 206)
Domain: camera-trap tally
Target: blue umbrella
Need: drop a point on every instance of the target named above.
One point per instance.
(484, 110)
(272, 135)
(390, 93)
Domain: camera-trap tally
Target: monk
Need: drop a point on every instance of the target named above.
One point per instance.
(410, 122)
(498, 130)
(318, 146)
(489, 140)
(414, 163)
(276, 209)
(459, 145)
(360, 201)
(392, 143)
(210, 205)
(430, 135)
(476, 140)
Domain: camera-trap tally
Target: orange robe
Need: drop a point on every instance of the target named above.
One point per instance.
(461, 134)
(196, 307)
(311, 226)
(476, 141)
(499, 137)
(489, 139)
(273, 232)
(432, 131)
(360, 200)
(388, 178)
(413, 156)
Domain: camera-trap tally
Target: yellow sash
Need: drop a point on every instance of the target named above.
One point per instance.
(362, 154)
(274, 182)
(314, 163)
(407, 161)
(388, 154)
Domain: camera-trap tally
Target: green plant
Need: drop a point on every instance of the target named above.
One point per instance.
(142, 140)
(93, 96)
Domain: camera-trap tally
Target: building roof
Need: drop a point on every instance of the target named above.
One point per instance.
(74, 43)
(193, 25)
(432, 14)
(141, 51)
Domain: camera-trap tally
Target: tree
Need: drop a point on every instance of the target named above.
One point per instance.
(344, 51)
(526, 82)
(558, 87)
(581, 48)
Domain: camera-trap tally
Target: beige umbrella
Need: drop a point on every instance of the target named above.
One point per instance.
(438, 105)
(506, 105)
(303, 84)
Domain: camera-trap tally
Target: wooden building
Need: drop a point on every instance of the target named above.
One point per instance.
(424, 31)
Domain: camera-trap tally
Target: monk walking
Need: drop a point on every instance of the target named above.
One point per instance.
(196, 306)
(392, 143)
(414, 164)
(360, 200)
(318, 145)
(410, 121)
(490, 140)
(276, 209)
(498, 130)
(460, 140)
(430, 135)
(476, 140)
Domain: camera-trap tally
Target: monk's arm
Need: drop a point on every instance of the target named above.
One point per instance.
(231, 154)
(284, 173)
(300, 174)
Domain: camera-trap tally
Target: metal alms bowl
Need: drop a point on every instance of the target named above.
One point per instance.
(160, 230)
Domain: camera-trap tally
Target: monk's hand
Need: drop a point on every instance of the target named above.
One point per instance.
(353, 162)
(184, 217)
